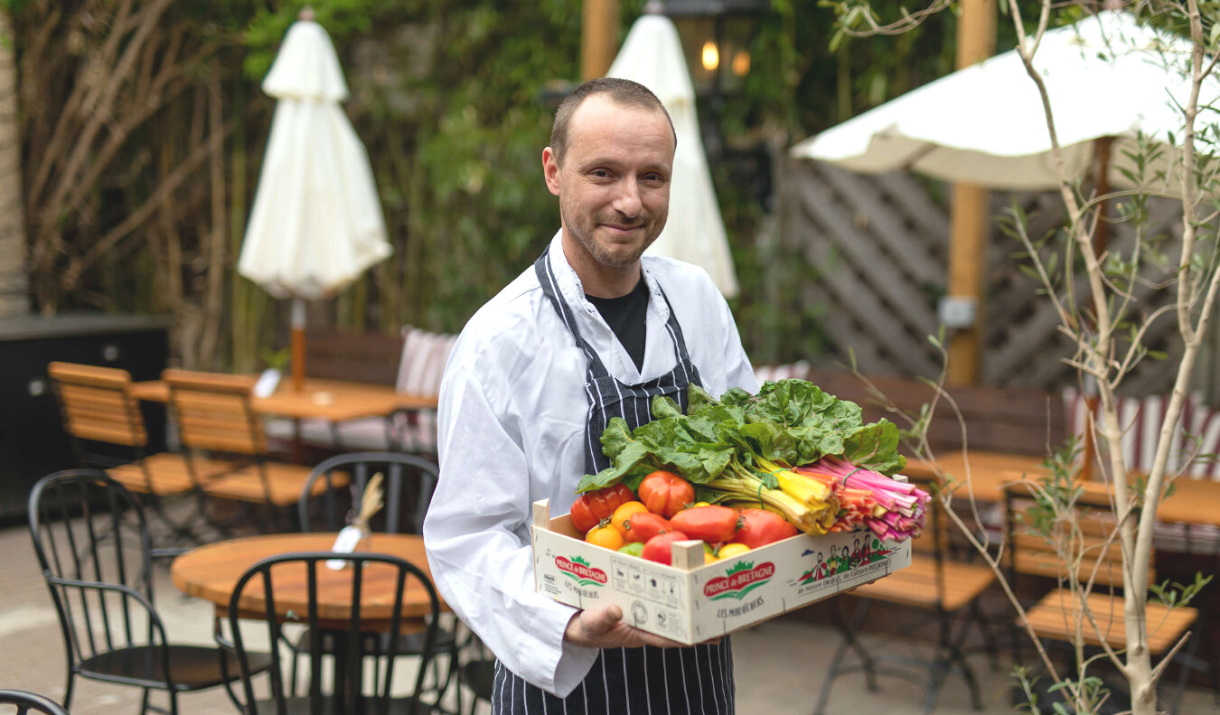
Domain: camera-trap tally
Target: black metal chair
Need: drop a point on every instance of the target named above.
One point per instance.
(92, 543)
(27, 702)
(351, 647)
(476, 671)
(409, 479)
(935, 582)
(409, 482)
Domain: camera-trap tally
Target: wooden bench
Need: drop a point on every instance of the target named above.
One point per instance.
(412, 362)
(360, 357)
(997, 419)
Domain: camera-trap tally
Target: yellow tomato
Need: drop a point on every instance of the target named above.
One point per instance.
(624, 512)
(606, 537)
(699, 503)
(709, 554)
(729, 551)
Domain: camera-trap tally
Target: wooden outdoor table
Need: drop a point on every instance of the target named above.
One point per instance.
(989, 472)
(211, 572)
(1194, 502)
(333, 400)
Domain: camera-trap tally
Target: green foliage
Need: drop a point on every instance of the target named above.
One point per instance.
(1058, 695)
(1172, 594)
(448, 105)
(446, 96)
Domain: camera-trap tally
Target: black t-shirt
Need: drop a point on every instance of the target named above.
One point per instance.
(625, 316)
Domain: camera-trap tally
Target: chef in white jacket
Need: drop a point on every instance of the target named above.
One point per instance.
(593, 330)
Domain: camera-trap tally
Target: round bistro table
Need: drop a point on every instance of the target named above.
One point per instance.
(211, 572)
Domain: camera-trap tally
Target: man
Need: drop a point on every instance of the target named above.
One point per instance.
(590, 332)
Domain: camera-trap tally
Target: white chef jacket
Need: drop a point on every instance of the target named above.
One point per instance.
(511, 431)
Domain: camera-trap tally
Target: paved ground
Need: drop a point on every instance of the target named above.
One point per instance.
(779, 664)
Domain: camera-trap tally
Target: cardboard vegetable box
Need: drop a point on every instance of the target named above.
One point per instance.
(691, 602)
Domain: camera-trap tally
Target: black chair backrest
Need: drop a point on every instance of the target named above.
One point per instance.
(26, 702)
(92, 543)
(349, 695)
(407, 478)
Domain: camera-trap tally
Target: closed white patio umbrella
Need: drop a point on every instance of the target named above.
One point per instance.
(652, 55)
(317, 223)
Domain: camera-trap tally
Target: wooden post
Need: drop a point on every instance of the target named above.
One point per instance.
(1101, 239)
(969, 213)
(598, 38)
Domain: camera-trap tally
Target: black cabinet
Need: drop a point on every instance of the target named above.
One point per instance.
(32, 439)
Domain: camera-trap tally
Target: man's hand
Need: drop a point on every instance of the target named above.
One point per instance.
(604, 628)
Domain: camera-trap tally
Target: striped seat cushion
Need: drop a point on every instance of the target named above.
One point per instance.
(1140, 419)
(798, 370)
(424, 355)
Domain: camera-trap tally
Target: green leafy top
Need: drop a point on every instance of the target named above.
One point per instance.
(580, 560)
(740, 566)
(789, 423)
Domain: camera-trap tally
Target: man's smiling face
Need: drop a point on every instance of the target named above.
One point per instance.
(613, 184)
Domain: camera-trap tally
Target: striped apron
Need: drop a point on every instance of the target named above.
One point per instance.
(647, 680)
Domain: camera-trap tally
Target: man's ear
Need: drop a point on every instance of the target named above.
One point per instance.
(550, 170)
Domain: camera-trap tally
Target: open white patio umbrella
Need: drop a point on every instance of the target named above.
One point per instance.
(652, 55)
(1106, 76)
(316, 224)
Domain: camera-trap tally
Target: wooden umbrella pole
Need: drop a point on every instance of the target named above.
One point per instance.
(298, 344)
(969, 213)
(1101, 237)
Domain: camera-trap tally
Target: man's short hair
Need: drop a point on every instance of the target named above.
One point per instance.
(623, 92)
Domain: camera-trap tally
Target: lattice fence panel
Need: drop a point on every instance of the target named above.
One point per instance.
(880, 247)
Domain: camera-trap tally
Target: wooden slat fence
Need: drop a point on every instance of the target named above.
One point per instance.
(879, 245)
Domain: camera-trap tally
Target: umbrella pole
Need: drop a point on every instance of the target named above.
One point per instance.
(298, 344)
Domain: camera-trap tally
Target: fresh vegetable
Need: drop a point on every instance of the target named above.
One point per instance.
(636, 549)
(709, 553)
(792, 449)
(666, 493)
(892, 510)
(789, 423)
(591, 508)
(605, 536)
(659, 548)
(712, 524)
(625, 512)
(729, 551)
(643, 526)
(760, 527)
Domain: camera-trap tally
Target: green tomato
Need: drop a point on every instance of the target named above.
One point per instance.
(636, 549)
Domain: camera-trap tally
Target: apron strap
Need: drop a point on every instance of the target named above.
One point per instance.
(550, 288)
(675, 331)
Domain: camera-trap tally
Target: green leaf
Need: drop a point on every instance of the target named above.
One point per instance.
(663, 407)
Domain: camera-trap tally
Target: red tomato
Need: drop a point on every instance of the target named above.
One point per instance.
(591, 508)
(665, 493)
(643, 526)
(659, 548)
(760, 527)
(712, 524)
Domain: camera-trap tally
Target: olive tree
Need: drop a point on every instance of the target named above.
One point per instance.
(1108, 320)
